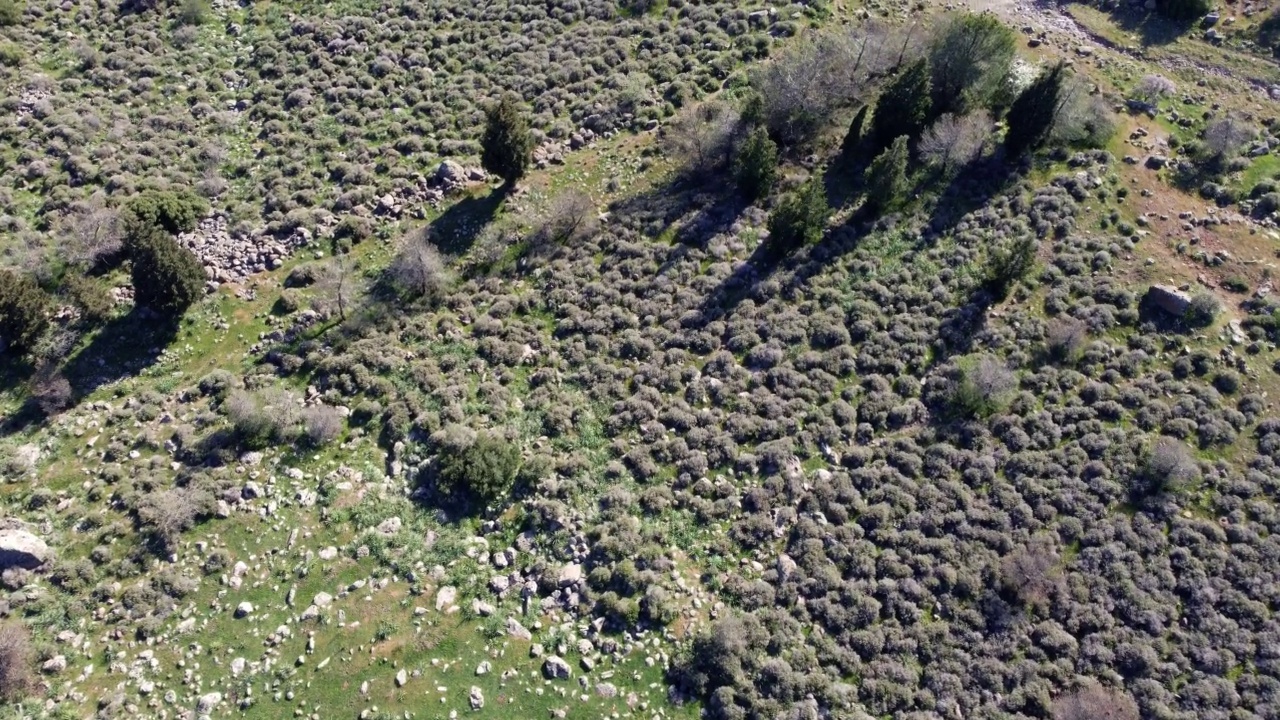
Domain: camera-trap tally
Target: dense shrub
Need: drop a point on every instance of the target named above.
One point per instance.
(16, 659)
(969, 60)
(903, 106)
(174, 211)
(479, 472)
(755, 166)
(1034, 112)
(23, 311)
(167, 277)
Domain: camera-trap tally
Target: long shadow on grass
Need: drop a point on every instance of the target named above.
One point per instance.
(124, 347)
(969, 189)
(690, 210)
(456, 230)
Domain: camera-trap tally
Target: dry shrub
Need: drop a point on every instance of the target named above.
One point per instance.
(322, 424)
(419, 270)
(16, 656)
(1032, 572)
(1092, 701)
(166, 515)
(702, 136)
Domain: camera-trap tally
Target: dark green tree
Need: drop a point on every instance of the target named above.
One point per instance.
(800, 218)
(167, 277)
(903, 106)
(481, 472)
(23, 311)
(1032, 115)
(507, 143)
(969, 59)
(886, 176)
(755, 167)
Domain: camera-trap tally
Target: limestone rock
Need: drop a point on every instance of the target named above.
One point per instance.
(19, 548)
(243, 609)
(476, 698)
(555, 668)
(1169, 299)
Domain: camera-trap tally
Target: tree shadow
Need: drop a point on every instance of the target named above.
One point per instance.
(689, 210)
(122, 348)
(1150, 27)
(962, 325)
(968, 189)
(456, 230)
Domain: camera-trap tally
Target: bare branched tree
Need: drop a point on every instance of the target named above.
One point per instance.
(955, 141)
(701, 136)
(419, 270)
(16, 658)
(1153, 87)
(91, 233)
(1092, 701)
(802, 87)
(571, 215)
(1032, 572)
(1225, 136)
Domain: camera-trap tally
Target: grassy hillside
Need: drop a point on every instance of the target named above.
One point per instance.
(896, 427)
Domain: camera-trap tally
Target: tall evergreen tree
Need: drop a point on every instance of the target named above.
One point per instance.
(507, 143)
(886, 177)
(800, 218)
(1034, 111)
(756, 164)
(903, 106)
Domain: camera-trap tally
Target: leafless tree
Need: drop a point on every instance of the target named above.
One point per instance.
(955, 141)
(1082, 116)
(701, 136)
(419, 269)
(1153, 87)
(1092, 701)
(1225, 136)
(812, 78)
(322, 424)
(91, 233)
(571, 215)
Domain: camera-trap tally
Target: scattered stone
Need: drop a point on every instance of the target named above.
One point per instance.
(445, 597)
(570, 574)
(518, 631)
(208, 702)
(322, 599)
(402, 677)
(484, 668)
(390, 526)
(476, 698)
(1169, 299)
(244, 609)
(55, 664)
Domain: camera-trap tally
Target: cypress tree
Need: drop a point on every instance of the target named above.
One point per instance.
(801, 217)
(507, 143)
(886, 177)
(903, 106)
(1032, 115)
(756, 165)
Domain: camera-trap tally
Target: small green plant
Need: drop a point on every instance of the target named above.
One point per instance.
(193, 12)
(1202, 311)
(1236, 283)
(10, 12)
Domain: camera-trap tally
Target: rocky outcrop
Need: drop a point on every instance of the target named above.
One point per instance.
(1169, 299)
(20, 548)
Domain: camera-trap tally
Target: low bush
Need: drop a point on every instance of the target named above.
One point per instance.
(1202, 311)
(16, 660)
